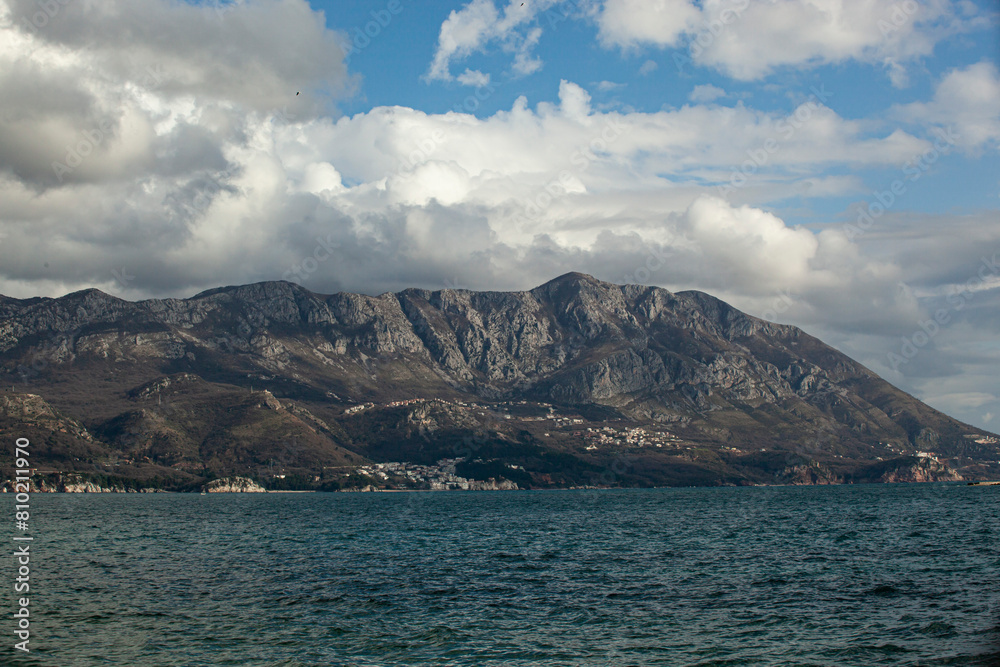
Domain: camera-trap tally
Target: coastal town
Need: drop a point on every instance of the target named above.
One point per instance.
(438, 477)
(557, 425)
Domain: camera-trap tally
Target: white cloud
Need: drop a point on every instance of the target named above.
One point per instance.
(648, 67)
(557, 187)
(479, 23)
(897, 73)
(168, 101)
(463, 32)
(608, 86)
(194, 186)
(629, 23)
(744, 39)
(739, 245)
(967, 100)
(194, 190)
(524, 61)
(574, 101)
(473, 78)
(706, 93)
(751, 43)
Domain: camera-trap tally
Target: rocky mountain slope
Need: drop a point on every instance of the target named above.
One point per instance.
(574, 382)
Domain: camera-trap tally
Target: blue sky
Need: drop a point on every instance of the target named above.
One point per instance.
(393, 64)
(833, 164)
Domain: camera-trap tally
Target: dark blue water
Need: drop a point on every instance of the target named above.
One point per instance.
(853, 575)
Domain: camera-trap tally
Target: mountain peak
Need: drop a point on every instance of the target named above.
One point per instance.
(90, 292)
(267, 287)
(574, 278)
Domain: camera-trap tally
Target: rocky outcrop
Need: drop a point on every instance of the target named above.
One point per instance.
(65, 484)
(269, 401)
(803, 474)
(924, 470)
(35, 410)
(86, 487)
(233, 485)
(492, 485)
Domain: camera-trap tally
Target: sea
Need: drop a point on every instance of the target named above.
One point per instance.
(902, 574)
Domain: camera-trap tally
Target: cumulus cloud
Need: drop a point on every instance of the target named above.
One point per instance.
(628, 23)
(118, 88)
(966, 99)
(188, 163)
(188, 187)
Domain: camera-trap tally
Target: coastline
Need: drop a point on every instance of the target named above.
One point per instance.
(120, 491)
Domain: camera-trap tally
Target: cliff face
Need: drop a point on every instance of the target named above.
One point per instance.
(573, 339)
(631, 352)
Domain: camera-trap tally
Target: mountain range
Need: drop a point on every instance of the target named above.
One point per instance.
(577, 382)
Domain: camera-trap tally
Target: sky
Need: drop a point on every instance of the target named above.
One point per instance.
(832, 164)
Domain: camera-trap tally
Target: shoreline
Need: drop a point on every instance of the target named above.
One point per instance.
(118, 491)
